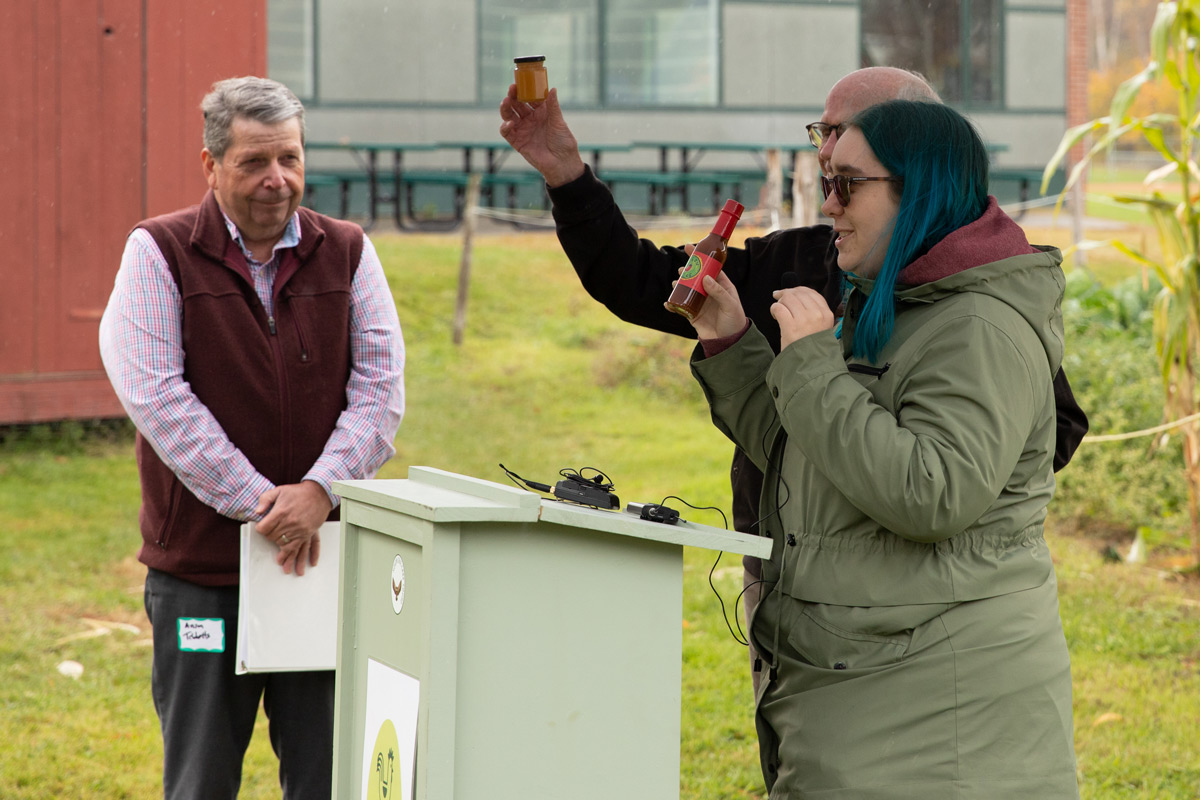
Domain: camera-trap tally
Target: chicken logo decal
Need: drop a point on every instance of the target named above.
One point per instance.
(397, 584)
(385, 776)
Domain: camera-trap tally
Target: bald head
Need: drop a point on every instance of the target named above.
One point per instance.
(871, 86)
(867, 87)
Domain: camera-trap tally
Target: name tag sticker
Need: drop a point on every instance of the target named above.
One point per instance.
(201, 635)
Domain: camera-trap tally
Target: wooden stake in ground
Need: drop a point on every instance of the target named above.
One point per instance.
(773, 188)
(464, 265)
(804, 189)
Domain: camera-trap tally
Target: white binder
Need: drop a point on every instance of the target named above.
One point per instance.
(287, 623)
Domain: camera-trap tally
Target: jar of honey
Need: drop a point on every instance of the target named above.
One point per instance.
(530, 77)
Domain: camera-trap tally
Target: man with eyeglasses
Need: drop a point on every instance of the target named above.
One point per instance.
(632, 277)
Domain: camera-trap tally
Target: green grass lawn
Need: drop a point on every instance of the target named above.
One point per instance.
(546, 379)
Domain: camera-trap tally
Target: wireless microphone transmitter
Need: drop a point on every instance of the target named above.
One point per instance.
(654, 512)
(585, 493)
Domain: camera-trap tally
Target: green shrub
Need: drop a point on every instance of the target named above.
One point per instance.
(1113, 370)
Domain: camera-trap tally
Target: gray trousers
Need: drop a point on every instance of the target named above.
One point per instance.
(207, 712)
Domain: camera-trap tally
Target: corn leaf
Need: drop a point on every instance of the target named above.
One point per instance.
(1071, 138)
(1160, 31)
(1127, 92)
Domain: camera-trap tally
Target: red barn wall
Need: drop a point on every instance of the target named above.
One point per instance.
(99, 128)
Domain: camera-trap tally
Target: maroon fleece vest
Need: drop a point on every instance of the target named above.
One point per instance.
(276, 386)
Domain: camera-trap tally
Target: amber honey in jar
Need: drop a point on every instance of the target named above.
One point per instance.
(530, 77)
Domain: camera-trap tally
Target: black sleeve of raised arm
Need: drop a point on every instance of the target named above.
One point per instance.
(1071, 422)
(632, 276)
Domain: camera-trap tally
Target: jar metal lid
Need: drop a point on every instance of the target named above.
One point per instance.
(528, 59)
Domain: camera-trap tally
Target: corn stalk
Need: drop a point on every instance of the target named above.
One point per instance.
(1175, 40)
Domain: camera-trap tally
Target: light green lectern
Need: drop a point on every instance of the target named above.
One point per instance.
(545, 638)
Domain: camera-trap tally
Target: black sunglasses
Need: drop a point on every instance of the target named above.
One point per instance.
(840, 184)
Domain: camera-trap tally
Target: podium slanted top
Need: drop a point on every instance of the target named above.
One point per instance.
(440, 496)
(689, 534)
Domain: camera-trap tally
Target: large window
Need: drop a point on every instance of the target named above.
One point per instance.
(654, 52)
(290, 44)
(953, 43)
(661, 52)
(567, 32)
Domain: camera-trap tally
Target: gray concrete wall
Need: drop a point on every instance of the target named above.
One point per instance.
(397, 51)
(777, 55)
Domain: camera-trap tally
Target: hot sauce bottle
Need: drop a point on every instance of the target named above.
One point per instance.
(530, 76)
(688, 296)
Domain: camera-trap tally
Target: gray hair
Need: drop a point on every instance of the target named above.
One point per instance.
(259, 99)
(918, 89)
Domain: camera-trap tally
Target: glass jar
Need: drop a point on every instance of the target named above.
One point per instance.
(530, 77)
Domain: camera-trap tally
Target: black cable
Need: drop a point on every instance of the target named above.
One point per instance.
(781, 490)
(517, 479)
(780, 483)
(598, 481)
(739, 635)
(724, 519)
(737, 601)
(594, 491)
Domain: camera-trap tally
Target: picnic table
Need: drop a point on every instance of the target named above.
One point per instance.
(495, 153)
(599, 149)
(394, 181)
(689, 154)
(367, 168)
(679, 170)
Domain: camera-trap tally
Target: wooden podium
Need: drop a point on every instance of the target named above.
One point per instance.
(510, 646)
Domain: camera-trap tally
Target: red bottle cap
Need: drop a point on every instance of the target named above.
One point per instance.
(728, 218)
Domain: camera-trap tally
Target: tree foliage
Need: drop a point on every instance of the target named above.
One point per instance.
(1119, 33)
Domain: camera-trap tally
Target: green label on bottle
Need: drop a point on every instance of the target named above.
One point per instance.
(692, 268)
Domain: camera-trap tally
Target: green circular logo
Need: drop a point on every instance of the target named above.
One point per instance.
(692, 268)
(385, 774)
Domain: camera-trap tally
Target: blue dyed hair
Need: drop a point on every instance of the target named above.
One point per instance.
(944, 166)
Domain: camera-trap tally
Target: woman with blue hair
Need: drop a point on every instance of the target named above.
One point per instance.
(910, 637)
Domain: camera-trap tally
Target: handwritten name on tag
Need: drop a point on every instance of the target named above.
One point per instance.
(201, 635)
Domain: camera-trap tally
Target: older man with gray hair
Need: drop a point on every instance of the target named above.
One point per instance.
(256, 347)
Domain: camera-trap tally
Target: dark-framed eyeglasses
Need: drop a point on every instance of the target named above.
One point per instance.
(840, 185)
(818, 132)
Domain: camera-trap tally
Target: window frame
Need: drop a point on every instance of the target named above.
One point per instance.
(965, 99)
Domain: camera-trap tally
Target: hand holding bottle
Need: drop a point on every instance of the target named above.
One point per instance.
(705, 259)
(722, 315)
(540, 134)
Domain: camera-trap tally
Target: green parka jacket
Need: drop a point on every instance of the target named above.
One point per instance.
(922, 477)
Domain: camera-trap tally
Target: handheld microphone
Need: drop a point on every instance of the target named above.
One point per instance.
(789, 280)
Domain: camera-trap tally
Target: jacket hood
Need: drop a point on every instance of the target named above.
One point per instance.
(992, 237)
(991, 257)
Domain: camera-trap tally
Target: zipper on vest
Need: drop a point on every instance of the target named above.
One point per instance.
(876, 372)
(271, 324)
